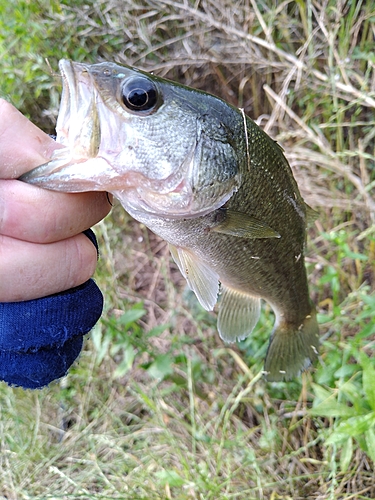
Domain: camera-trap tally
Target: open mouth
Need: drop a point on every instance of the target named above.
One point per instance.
(68, 99)
(71, 98)
(78, 124)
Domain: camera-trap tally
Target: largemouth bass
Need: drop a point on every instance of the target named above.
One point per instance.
(205, 178)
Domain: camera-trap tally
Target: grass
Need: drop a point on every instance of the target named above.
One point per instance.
(157, 406)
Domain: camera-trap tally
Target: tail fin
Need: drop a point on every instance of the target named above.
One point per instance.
(292, 349)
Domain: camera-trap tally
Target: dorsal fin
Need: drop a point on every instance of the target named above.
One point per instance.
(201, 279)
(238, 314)
(311, 215)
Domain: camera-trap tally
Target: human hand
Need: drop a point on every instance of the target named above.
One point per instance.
(42, 248)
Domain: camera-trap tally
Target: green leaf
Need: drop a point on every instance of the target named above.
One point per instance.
(368, 381)
(356, 256)
(170, 478)
(157, 330)
(101, 343)
(346, 454)
(322, 393)
(370, 442)
(161, 367)
(130, 316)
(351, 391)
(352, 427)
(127, 362)
(331, 408)
(367, 330)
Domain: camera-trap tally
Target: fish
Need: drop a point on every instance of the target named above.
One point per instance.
(204, 177)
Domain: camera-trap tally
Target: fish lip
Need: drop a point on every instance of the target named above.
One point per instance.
(70, 71)
(69, 91)
(78, 101)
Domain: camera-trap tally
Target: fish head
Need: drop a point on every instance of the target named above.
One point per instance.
(160, 147)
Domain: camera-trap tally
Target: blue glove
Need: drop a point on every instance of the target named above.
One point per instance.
(41, 338)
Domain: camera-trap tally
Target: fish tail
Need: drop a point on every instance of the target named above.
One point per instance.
(292, 349)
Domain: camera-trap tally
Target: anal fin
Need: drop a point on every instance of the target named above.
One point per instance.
(201, 279)
(238, 315)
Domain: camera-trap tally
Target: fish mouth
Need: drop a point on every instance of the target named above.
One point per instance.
(75, 167)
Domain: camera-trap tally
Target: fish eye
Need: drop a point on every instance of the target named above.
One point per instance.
(140, 94)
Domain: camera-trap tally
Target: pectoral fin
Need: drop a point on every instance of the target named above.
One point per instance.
(201, 279)
(238, 315)
(243, 225)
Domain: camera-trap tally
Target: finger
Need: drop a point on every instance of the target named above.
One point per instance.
(40, 216)
(41, 270)
(22, 144)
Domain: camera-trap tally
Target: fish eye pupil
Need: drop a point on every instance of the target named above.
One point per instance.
(139, 94)
(138, 98)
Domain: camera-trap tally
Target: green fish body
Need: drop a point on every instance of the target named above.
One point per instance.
(205, 178)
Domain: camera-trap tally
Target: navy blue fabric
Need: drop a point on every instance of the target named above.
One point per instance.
(34, 370)
(41, 338)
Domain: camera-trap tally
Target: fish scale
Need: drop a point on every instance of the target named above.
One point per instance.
(204, 177)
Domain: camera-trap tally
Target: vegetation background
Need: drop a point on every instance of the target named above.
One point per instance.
(157, 406)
